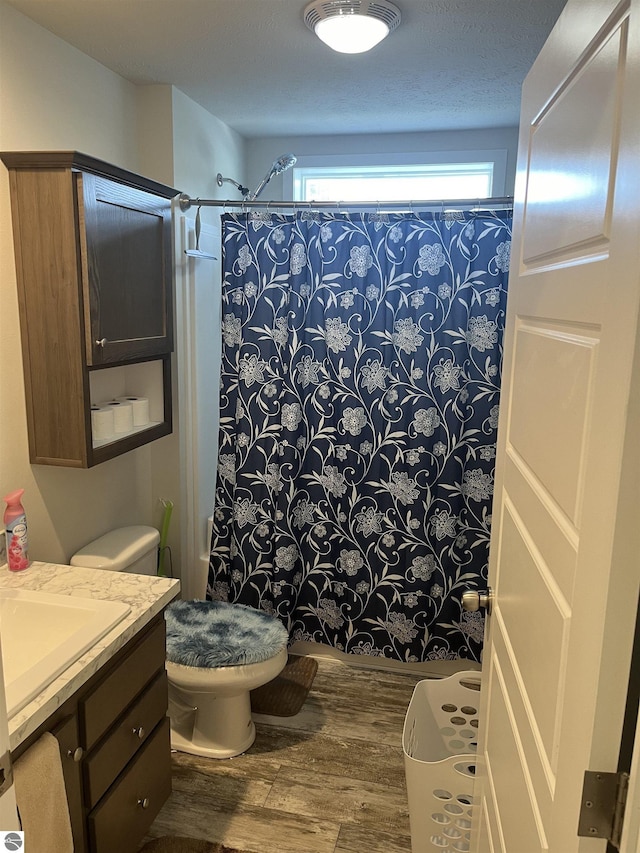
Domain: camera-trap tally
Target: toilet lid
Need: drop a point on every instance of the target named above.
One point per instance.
(214, 633)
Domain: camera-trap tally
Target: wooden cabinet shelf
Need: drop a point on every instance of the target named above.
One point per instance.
(94, 266)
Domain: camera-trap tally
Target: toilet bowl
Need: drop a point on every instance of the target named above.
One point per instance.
(216, 652)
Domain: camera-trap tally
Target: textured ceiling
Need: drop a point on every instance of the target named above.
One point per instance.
(450, 65)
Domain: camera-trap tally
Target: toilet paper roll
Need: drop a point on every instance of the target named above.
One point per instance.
(140, 406)
(102, 422)
(122, 415)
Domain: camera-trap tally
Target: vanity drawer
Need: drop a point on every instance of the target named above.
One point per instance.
(121, 820)
(118, 689)
(129, 733)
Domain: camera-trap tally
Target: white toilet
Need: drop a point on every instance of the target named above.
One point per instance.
(216, 652)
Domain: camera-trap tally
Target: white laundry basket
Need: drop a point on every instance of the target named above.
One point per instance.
(439, 743)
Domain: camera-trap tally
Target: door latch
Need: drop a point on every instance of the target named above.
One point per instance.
(473, 600)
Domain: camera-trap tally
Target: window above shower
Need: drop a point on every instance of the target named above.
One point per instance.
(386, 183)
(433, 175)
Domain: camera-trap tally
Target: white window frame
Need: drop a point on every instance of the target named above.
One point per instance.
(403, 164)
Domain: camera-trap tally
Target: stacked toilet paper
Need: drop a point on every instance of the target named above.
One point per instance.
(118, 416)
(139, 409)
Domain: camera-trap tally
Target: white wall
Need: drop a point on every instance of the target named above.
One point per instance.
(262, 152)
(154, 131)
(201, 147)
(54, 97)
(204, 146)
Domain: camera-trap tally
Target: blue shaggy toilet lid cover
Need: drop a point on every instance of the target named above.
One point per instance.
(214, 633)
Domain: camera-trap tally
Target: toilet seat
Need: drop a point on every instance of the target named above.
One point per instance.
(215, 634)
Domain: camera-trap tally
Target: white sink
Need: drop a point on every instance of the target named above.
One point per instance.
(42, 634)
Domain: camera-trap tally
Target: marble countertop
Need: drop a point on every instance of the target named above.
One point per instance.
(146, 595)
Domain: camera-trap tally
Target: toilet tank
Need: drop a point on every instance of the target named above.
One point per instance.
(126, 549)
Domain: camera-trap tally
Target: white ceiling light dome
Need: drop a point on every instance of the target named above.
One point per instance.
(352, 26)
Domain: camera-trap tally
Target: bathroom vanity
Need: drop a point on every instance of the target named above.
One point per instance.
(107, 710)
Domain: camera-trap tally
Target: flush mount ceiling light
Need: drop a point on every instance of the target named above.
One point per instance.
(352, 26)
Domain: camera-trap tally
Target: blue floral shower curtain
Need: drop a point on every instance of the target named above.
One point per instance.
(359, 406)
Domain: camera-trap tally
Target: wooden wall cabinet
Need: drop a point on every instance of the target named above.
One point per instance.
(93, 251)
(115, 747)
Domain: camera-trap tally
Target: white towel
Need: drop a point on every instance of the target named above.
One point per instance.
(42, 798)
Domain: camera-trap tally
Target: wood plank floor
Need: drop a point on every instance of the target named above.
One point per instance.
(329, 780)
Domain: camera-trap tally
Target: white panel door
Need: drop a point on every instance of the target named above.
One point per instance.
(565, 556)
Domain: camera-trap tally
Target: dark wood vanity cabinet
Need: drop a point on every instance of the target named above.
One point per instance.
(93, 247)
(115, 747)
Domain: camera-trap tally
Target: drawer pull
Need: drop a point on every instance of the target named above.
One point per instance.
(139, 732)
(102, 342)
(144, 803)
(77, 754)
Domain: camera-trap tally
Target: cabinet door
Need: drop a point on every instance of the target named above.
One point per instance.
(125, 243)
(121, 820)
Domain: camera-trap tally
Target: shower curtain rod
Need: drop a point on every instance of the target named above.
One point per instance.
(413, 206)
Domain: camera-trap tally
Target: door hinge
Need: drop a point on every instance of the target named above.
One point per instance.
(6, 772)
(604, 796)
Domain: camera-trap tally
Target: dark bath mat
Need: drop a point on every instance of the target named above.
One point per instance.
(171, 844)
(286, 694)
